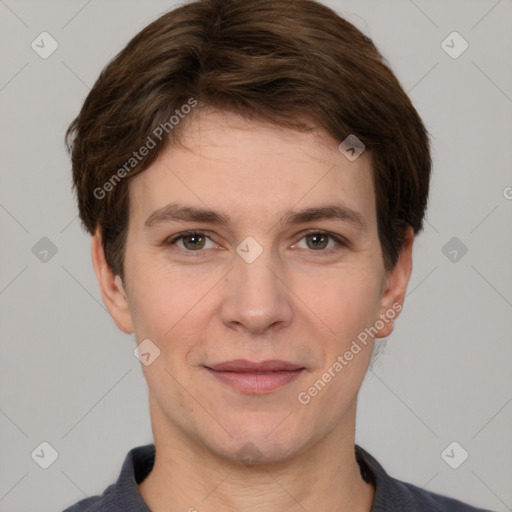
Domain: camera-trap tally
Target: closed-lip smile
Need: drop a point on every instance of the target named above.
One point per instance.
(255, 377)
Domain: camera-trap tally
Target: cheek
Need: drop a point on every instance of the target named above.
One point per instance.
(170, 307)
(169, 303)
(345, 301)
(157, 301)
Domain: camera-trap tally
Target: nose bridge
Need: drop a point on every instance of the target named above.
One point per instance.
(253, 269)
(254, 296)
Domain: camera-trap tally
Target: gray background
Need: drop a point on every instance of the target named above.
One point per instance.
(69, 377)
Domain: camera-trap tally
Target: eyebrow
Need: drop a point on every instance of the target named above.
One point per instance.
(176, 212)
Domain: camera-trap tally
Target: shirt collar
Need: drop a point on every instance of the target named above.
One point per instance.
(139, 463)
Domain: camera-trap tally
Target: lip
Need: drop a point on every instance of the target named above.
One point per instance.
(245, 366)
(255, 377)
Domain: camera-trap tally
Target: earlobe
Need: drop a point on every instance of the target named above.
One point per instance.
(111, 286)
(396, 282)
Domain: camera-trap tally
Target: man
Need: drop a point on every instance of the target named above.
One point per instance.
(253, 176)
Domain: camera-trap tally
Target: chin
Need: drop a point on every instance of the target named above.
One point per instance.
(259, 453)
(259, 445)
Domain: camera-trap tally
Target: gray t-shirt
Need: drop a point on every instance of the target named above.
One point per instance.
(391, 495)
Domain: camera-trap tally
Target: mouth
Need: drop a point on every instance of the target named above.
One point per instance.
(255, 377)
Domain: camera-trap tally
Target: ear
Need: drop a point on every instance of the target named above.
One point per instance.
(111, 286)
(395, 286)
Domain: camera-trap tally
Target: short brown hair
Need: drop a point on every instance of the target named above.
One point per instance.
(277, 60)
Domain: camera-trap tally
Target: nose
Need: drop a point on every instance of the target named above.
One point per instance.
(255, 295)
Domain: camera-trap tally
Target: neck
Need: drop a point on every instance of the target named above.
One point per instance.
(188, 477)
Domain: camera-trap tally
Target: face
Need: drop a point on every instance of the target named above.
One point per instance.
(286, 265)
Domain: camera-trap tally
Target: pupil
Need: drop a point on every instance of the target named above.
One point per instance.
(194, 237)
(316, 237)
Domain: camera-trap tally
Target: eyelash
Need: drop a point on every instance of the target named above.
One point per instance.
(340, 241)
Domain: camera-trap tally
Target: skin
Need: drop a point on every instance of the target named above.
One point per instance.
(303, 300)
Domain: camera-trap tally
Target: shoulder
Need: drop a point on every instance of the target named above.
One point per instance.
(122, 495)
(96, 503)
(108, 501)
(91, 504)
(420, 500)
(393, 495)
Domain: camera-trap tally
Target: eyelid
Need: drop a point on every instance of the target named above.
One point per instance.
(171, 240)
(314, 231)
(340, 240)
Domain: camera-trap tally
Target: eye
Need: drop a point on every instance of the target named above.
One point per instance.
(191, 241)
(319, 241)
(316, 240)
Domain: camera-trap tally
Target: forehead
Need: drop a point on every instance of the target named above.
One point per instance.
(243, 167)
(214, 134)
